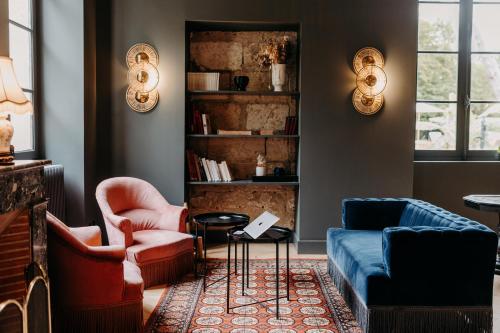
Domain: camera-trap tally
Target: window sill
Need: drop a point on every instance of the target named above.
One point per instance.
(458, 161)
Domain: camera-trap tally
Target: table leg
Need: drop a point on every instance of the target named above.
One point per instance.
(497, 267)
(277, 281)
(288, 269)
(196, 249)
(204, 257)
(236, 259)
(228, 272)
(248, 264)
(243, 271)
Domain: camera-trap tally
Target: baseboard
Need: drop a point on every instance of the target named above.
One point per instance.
(310, 246)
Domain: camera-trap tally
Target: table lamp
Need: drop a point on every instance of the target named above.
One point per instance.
(12, 100)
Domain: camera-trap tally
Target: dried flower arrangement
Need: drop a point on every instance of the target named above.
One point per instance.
(274, 52)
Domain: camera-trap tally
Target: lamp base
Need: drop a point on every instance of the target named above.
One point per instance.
(7, 158)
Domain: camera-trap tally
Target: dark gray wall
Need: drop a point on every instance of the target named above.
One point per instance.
(345, 154)
(4, 27)
(62, 96)
(342, 153)
(445, 183)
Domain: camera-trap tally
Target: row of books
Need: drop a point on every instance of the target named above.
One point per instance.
(291, 125)
(202, 169)
(200, 123)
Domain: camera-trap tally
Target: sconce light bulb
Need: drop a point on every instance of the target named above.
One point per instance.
(371, 80)
(143, 77)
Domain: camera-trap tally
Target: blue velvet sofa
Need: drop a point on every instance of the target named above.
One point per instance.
(404, 265)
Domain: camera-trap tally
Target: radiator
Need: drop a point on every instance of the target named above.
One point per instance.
(54, 190)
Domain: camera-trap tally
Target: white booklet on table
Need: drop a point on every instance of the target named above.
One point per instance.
(265, 221)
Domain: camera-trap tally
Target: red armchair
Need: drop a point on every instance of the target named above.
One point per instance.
(152, 230)
(93, 288)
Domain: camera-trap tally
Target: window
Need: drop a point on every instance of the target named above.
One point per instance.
(458, 80)
(21, 41)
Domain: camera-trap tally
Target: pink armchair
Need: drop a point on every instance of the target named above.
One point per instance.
(152, 230)
(93, 288)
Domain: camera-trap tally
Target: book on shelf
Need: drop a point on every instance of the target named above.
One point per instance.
(227, 132)
(291, 125)
(207, 128)
(200, 123)
(203, 169)
(266, 132)
(208, 176)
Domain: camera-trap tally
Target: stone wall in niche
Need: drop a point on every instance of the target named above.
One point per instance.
(236, 53)
(251, 200)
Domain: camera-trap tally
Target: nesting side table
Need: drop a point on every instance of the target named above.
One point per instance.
(216, 219)
(274, 235)
(487, 203)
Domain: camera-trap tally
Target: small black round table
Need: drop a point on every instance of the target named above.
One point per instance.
(216, 219)
(487, 203)
(274, 235)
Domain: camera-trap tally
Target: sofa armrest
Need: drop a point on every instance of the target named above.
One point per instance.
(173, 218)
(439, 254)
(122, 229)
(371, 214)
(111, 252)
(90, 235)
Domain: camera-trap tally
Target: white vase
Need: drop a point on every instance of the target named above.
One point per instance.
(260, 171)
(6, 133)
(278, 76)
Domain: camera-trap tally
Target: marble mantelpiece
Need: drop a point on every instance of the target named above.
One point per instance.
(23, 231)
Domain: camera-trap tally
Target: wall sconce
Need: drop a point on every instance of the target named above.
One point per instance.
(143, 76)
(368, 64)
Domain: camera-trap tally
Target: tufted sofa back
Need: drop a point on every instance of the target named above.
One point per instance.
(419, 213)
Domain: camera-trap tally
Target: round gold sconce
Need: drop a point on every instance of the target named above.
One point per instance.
(371, 80)
(143, 77)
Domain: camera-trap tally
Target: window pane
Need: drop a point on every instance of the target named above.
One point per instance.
(437, 77)
(485, 77)
(438, 27)
(484, 130)
(436, 127)
(23, 130)
(20, 52)
(20, 12)
(486, 28)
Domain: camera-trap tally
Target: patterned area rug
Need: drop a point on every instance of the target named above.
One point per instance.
(315, 305)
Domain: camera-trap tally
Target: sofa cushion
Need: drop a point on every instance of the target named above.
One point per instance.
(358, 255)
(142, 219)
(154, 245)
(134, 285)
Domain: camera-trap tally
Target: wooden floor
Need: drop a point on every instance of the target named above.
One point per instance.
(264, 251)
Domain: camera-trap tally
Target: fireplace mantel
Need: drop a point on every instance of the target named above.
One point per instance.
(23, 240)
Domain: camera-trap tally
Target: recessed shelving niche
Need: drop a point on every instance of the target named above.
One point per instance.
(231, 49)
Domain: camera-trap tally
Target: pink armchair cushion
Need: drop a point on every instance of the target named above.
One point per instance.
(91, 235)
(155, 245)
(146, 219)
(142, 219)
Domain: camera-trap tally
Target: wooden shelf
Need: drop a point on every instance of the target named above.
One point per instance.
(273, 136)
(243, 183)
(237, 92)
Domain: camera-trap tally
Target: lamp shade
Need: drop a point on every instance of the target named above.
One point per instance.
(371, 80)
(12, 97)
